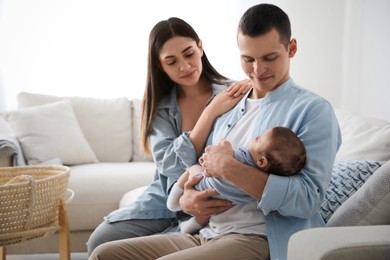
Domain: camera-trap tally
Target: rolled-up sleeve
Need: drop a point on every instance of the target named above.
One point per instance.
(172, 151)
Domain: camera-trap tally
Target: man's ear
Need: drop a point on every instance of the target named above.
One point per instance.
(293, 47)
(262, 162)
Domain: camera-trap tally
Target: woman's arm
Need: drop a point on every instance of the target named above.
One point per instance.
(219, 105)
(173, 151)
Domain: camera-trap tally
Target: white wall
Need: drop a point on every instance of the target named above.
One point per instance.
(365, 83)
(317, 26)
(98, 48)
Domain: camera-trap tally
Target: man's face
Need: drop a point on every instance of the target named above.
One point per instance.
(266, 61)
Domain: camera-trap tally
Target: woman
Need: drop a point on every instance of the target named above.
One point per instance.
(180, 104)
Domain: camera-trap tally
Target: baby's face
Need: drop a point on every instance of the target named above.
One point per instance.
(259, 144)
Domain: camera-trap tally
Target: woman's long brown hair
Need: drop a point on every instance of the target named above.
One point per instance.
(158, 84)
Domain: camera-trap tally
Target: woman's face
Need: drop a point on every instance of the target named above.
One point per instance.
(180, 58)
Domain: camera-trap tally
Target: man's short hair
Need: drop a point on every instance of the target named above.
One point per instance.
(262, 18)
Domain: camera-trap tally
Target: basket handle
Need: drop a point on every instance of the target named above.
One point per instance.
(69, 195)
(33, 186)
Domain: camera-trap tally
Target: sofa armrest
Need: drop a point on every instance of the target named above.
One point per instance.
(5, 161)
(347, 243)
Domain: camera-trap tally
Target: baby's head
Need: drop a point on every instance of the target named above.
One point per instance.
(279, 151)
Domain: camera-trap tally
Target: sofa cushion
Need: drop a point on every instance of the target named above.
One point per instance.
(106, 123)
(370, 205)
(347, 177)
(364, 138)
(50, 132)
(131, 196)
(99, 188)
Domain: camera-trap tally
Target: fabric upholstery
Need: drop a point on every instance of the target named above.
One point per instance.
(364, 138)
(98, 188)
(347, 177)
(50, 132)
(370, 205)
(106, 123)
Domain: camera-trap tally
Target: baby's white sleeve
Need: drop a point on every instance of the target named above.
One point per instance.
(190, 226)
(173, 198)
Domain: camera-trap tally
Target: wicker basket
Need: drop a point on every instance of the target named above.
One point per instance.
(30, 200)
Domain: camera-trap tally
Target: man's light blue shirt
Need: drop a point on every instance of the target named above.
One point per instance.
(290, 204)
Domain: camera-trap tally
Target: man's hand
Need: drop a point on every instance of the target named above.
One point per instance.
(217, 159)
(199, 204)
(183, 179)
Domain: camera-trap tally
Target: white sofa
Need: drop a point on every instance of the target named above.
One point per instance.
(115, 172)
(357, 204)
(98, 138)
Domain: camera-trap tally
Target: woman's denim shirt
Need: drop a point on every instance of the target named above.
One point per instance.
(172, 152)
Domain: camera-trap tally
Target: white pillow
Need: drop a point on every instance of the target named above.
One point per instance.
(49, 132)
(364, 138)
(347, 177)
(369, 205)
(106, 123)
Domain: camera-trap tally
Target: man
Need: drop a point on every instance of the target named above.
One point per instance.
(282, 205)
(288, 204)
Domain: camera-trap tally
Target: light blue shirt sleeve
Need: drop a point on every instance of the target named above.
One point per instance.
(301, 195)
(172, 150)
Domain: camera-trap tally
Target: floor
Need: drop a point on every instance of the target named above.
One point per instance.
(74, 256)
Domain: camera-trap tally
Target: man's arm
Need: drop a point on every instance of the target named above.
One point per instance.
(199, 204)
(178, 188)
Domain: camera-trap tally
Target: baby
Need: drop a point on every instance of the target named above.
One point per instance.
(277, 151)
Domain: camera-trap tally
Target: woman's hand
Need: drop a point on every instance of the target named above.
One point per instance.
(226, 100)
(199, 204)
(239, 88)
